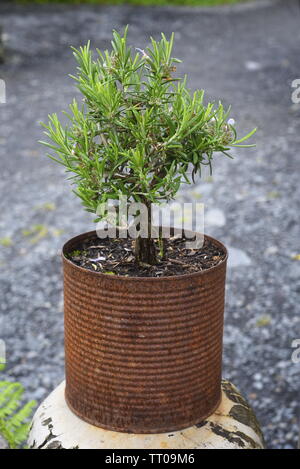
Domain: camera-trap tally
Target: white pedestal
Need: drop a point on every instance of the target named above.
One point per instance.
(232, 426)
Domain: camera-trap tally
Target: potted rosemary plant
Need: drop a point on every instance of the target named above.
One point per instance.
(143, 313)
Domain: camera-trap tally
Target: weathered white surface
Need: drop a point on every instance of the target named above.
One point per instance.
(233, 425)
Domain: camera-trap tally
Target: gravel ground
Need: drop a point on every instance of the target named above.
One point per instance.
(247, 56)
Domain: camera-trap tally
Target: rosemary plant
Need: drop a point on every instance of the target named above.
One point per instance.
(139, 132)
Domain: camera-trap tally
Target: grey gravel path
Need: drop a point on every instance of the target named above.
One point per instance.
(246, 56)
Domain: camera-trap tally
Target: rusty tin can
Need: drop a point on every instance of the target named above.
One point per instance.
(143, 355)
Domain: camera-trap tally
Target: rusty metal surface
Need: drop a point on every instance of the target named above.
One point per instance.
(143, 355)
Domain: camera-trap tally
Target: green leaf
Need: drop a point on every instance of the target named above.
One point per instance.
(14, 418)
(245, 138)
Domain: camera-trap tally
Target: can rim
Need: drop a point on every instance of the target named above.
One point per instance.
(89, 234)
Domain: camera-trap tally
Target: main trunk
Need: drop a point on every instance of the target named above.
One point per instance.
(145, 251)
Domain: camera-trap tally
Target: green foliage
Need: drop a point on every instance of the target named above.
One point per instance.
(14, 418)
(139, 132)
(139, 129)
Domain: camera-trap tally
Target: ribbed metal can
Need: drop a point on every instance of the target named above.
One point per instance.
(143, 355)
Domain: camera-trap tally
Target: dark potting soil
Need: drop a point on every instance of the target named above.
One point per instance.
(116, 257)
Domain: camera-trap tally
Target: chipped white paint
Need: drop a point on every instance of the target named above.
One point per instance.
(232, 426)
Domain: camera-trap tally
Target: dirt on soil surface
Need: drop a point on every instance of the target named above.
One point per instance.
(116, 257)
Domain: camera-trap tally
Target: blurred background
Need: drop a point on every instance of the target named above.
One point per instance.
(245, 54)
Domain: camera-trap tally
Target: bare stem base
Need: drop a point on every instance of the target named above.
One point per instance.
(145, 251)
